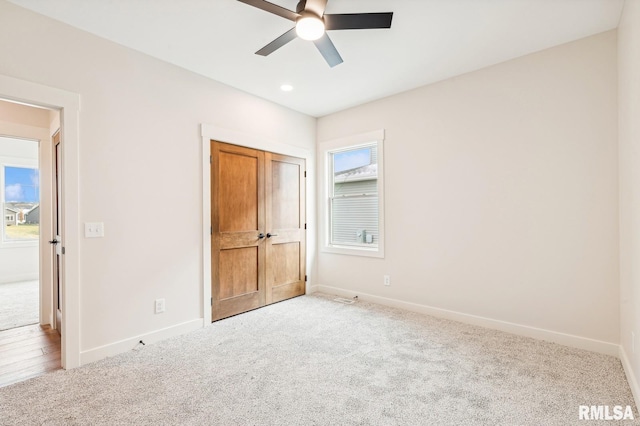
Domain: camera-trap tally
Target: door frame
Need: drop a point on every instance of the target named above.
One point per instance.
(68, 104)
(210, 132)
(54, 253)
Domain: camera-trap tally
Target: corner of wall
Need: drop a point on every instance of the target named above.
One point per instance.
(629, 189)
(628, 371)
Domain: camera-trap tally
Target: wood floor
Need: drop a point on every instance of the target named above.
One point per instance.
(27, 352)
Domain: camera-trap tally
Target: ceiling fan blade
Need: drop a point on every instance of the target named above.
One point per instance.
(316, 6)
(272, 8)
(357, 21)
(328, 50)
(278, 43)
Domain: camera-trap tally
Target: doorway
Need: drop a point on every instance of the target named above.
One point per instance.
(19, 230)
(68, 105)
(258, 232)
(29, 343)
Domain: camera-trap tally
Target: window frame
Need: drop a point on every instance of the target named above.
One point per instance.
(326, 149)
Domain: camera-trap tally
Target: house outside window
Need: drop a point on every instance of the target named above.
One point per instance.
(353, 176)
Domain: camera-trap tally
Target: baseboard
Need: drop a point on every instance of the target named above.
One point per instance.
(631, 378)
(522, 330)
(313, 289)
(125, 345)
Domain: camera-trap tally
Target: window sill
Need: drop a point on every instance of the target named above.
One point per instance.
(355, 251)
(18, 244)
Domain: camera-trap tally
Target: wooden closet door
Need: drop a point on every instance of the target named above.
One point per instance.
(238, 221)
(285, 221)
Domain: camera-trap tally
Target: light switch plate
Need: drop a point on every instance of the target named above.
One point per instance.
(94, 229)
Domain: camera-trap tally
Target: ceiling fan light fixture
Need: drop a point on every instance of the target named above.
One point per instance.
(309, 27)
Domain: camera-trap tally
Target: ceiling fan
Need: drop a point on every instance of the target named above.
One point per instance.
(312, 24)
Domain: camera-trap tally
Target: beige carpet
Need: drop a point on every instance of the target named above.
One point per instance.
(313, 361)
(19, 304)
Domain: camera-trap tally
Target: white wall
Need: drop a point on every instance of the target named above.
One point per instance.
(501, 196)
(514, 216)
(629, 140)
(140, 158)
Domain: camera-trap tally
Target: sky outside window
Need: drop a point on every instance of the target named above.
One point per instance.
(21, 184)
(351, 159)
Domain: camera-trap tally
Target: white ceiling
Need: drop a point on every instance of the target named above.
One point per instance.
(430, 40)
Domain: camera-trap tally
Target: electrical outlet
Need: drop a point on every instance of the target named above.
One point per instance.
(387, 280)
(159, 306)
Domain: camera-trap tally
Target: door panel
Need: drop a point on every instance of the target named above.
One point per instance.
(237, 218)
(239, 272)
(285, 195)
(286, 258)
(285, 218)
(239, 190)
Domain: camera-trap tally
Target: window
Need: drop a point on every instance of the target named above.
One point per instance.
(19, 191)
(353, 222)
(21, 194)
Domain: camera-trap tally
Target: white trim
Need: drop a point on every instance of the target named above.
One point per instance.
(631, 378)
(211, 132)
(334, 145)
(125, 345)
(586, 343)
(220, 134)
(362, 138)
(69, 103)
(10, 244)
(206, 226)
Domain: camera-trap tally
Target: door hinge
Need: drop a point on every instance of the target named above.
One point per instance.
(305, 173)
(212, 301)
(210, 160)
(305, 226)
(210, 230)
(305, 278)
(63, 250)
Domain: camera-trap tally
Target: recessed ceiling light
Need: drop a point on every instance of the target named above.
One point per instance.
(286, 87)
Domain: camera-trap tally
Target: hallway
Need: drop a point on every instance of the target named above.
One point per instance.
(18, 304)
(27, 352)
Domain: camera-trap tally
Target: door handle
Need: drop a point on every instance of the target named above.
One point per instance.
(269, 235)
(260, 236)
(54, 241)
